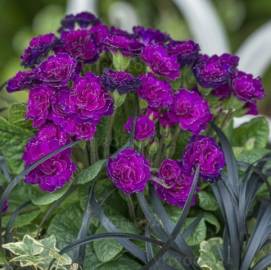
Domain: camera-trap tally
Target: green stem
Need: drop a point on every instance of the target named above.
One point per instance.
(174, 141)
(93, 151)
(131, 207)
(108, 138)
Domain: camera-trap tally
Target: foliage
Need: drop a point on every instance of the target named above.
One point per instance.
(91, 224)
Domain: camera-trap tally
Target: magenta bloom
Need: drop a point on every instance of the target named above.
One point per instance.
(77, 128)
(56, 171)
(247, 88)
(62, 106)
(80, 45)
(53, 173)
(222, 92)
(144, 127)
(170, 170)
(39, 104)
(157, 58)
(22, 80)
(157, 93)
(178, 182)
(192, 111)
(63, 113)
(129, 171)
(4, 207)
(89, 98)
(168, 118)
(251, 108)
(150, 35)
(204, 152)
(68, 22)
(57, 70)
(99, 33)
(85, 19)
(215, 71)
(37, 49)
(121, 81)
(186, 52)
(48, 139)
(119, 40)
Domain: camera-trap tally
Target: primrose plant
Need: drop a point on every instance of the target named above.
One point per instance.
(122, 140)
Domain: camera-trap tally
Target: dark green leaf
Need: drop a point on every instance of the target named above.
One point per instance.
(207, 201)
(45, 198)
(90, 173)
(256, 131)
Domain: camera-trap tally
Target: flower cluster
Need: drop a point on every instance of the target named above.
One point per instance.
(71, 90)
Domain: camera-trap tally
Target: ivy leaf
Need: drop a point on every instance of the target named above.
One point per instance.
(39, 254)
(209, 254)
(65, 226)
(44, 198)
(255, 132)
(91, 172)
(28, 246)
(207, 201)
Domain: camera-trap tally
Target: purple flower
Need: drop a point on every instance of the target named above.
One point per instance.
(90, 99)
(157, 58)
(4, 207)
(129, 171)
(157, 93)
(186, 52)
(80, 45)
(119, 40)
(192, 111)
(68, 22)
(78, 129)
(39, 104)
(62, 106)
(150, 35)
(38, 48)
(63, 114)
(170, 170)
(99, 32)
(48, 139)
(178, 182)
(56, 171)
(53, 173)
(251, 108)
(22, 80)
(247, 88)
(121, 81)
(57, 70)
(204, 152)
(144, 127)
(222, 92)
(85, 19)
(168, 118)
(215, 71)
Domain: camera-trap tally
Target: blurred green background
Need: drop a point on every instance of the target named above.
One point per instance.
(20, 20)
